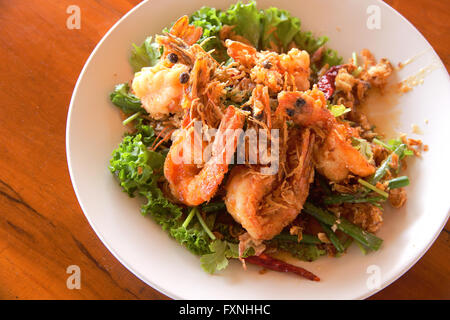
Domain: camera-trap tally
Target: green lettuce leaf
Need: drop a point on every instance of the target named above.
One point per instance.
(126, 101)
(208, 19)
(195, 239)
(331, 57)
(168, 216)
(279, 28)
(217, 260)
(138, 171)
(136, 167)
(164, 212)
(246, 19)
(306, 41)
(145, 55)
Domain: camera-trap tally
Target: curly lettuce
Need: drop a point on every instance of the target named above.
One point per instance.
(138, 171)
(209, 20)
(279, 29)
(169, 217)
(270, 29)
(307, 41)
(136, 167)
(246, 20)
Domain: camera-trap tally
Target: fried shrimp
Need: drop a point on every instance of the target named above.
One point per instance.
(335, 157)
(189, 183)
(160, 87)
(276, 71)
(264, 204)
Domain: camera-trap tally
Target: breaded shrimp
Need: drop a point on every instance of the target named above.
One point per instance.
(335, 157)
(264, 204)
(276, 71)
(191, 184)
(160, 87)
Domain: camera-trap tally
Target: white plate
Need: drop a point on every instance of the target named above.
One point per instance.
(94, 129)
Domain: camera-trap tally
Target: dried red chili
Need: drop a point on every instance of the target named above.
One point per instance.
(280, 266)
(326, 82)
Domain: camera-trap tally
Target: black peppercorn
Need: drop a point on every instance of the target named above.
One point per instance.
(267, 64)
(172, 57)
(184, 77)
(300, 102)
(290, 112)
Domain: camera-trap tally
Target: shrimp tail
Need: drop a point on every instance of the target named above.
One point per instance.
(189, 33)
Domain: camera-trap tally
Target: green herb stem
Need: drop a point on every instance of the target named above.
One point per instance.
(384, 167)
(333, 238)
(346, 245)
(205, 227)
(398, 182)
(364, 237)
(306, 238)
(355, 58)
(189, 217)
(381, 143)
(363, 249)
(373, 188)
(214, 206)
(131, 118)
(350, 198)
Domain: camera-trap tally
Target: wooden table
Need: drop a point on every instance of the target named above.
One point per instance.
(42, 228)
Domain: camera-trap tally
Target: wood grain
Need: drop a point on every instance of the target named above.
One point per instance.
(42, 228)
